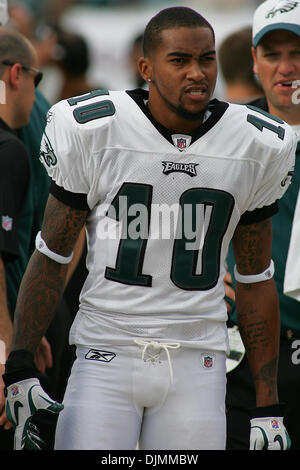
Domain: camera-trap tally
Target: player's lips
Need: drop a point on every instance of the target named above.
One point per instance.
(286, 84)
(196, 93)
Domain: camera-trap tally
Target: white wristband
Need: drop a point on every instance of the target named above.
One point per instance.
(41, 246)
(2, 352)
(250, 278)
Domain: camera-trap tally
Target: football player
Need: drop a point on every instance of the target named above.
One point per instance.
(163, 180)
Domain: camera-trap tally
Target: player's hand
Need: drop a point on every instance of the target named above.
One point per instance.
(43, 356)
(268, 432)
(23, 399)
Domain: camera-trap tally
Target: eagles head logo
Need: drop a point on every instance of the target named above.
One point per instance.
(47, 154)
(287, 179)
(282, 7)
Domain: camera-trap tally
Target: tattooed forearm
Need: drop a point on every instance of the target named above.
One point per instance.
(61, 226)
(255, 334)
(44, 280)
(257, 308)
(251, 250)
(268, 376)
(38, 299)
(258, 319)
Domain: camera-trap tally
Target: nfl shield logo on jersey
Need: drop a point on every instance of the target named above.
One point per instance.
(181, 141)
(15, 391)
(275, 424)
(208, 360)
(7, 223)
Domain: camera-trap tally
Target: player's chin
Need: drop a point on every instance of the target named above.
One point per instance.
(284, 101)
(192, 113)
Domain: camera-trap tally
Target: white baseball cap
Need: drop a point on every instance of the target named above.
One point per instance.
(275, 14)
(3, 12)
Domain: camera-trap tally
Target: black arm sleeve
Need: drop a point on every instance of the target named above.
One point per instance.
(75, 200)
(252, 217)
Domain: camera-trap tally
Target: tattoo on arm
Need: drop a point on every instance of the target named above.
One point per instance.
(61, 226)
(252, 247)
(257, 308)
(258, 320)
(43, 282)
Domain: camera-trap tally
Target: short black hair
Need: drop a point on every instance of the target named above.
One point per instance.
(75, 54)
(173, 17)
(235, 58)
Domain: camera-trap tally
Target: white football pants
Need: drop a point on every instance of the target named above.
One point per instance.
(162, 396)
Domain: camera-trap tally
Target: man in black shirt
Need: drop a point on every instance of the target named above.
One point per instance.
(19, 77)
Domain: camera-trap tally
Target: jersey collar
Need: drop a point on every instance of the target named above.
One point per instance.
(215, 108)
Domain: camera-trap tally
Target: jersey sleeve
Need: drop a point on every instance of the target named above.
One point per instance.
(277, 173)
(66, 152)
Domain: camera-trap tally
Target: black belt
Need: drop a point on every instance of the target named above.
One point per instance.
(289, 333)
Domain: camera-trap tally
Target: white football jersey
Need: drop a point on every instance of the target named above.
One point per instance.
(163, 209)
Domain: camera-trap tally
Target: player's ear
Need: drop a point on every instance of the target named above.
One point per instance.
(253, 52)
(14, 75)
(145, 68)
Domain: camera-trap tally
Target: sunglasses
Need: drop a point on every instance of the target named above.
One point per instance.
(38, 74)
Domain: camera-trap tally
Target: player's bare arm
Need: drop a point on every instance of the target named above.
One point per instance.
(257, 308)
(43, 282)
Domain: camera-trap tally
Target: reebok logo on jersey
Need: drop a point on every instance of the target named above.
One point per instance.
(102, 356)
(188, 168)
(282, 7)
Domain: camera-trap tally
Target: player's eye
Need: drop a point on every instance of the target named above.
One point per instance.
(209, 58)
(270, 55)
(178, 60)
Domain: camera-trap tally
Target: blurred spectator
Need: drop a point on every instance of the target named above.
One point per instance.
(42, 35)
(19, 73)
(135, 52)
(49, 11)
(236, 66)
(30, 215)
(54, 9)
(21, 18)
(72, 58)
